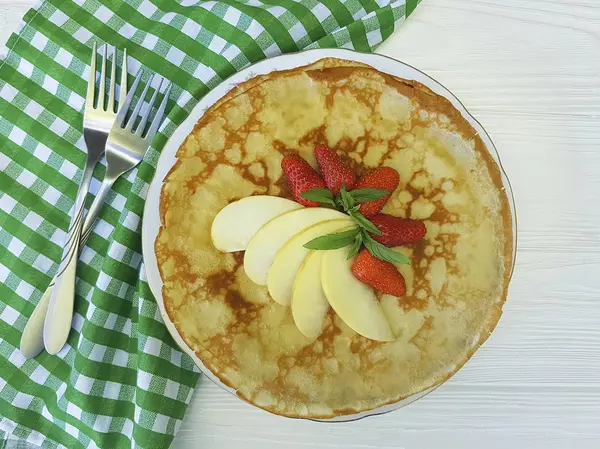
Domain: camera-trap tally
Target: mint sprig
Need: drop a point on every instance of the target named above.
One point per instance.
(333, 241)
(345, 200)
(383, 252)
(348, 202)
(367, 194)
(322, 196)
(355, 246)
(364, 222)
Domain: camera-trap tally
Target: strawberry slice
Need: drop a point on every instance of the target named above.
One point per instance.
(379, 274)
(385, 178)
(334, 171)
(301, 178)
(396, 231)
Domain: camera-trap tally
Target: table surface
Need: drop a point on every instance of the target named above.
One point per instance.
(530, 72)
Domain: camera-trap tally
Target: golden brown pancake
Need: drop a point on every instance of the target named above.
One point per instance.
(459, 274)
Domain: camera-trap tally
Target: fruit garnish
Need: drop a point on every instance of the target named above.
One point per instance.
(335, 173)
(268, 240)
(379, 274)
(385, 178)
(353, 301)
(347, 238)
(236, 223)
(396, 231)
(302, 178)
(289, 258)
(362, 203)
(309, 304)
(347, 202)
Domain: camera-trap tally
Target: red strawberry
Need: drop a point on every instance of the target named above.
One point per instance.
(301, 177)
(396, 231)
(385, 178)
(334, 171)
(377, 273)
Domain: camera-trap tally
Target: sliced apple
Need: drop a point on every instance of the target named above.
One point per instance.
(282, 273)
(354, 302)
(236, 223)
(309, 304)
(269, 239)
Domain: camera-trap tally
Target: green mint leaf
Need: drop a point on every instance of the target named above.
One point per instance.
(346, 199)
(383, 252)
(364, 223)
(332, 241)
(319, 196)
(315, 194)
(368, 194)
(356, 245)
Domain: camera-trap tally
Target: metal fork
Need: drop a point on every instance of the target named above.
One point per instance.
(97, 121)
(98, 118)
(125, 148)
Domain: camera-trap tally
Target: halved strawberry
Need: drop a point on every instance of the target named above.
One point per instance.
(385, 178)
(379, 274)
(301, 178)
(334, 171)
(396, 231)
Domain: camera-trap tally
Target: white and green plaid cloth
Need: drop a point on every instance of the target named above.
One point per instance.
(120, 382)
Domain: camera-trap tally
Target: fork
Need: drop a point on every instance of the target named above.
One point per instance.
(125, 148)
(97, 121)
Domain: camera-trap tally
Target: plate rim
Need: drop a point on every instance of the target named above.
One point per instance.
(151, 218)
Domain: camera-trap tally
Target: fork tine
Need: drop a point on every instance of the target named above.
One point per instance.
(113, 81)
(89, 98)
(159, 115)
(123, 89)
(124, 107)
(144, 119)
(139, 104)
(100, 103)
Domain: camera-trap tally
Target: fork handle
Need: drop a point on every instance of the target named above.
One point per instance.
(60, 308)
(92, 214)
(32, 340)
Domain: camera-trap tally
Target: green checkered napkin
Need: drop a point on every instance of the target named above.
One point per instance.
(120, 381)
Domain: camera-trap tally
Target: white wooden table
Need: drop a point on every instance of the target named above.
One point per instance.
(530, 72)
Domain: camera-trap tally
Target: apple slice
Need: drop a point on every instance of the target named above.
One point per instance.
(309, 304)
(282, 273)
(354, 302)
(269, 239)
(236, 223)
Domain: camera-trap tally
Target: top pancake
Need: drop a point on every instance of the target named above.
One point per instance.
(459, 274)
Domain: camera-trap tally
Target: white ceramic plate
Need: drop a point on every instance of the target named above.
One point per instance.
(151, 221)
